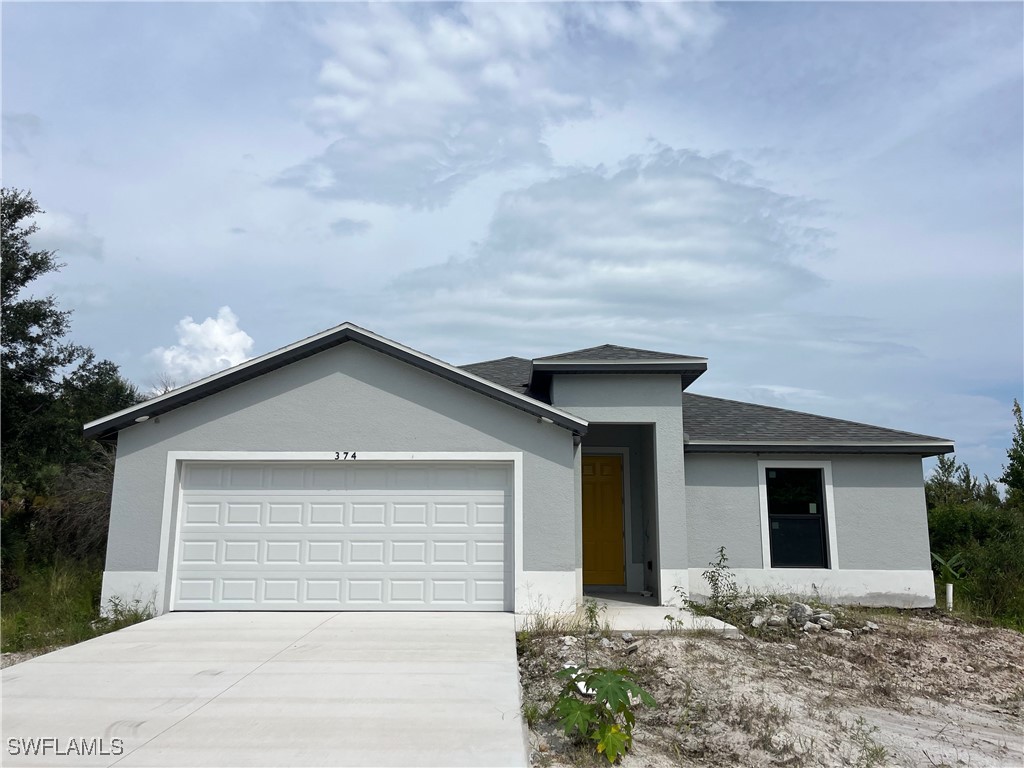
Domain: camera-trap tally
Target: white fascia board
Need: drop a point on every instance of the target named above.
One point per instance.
(844, 443)
(763, 446)
(660, 363)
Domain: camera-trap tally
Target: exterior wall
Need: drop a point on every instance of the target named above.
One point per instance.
(721, 493)
(880, 521)
(346, 398)
(643, 399)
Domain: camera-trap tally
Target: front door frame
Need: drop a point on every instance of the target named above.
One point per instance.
(627, 543)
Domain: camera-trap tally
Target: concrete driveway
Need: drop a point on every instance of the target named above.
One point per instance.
(275, 689)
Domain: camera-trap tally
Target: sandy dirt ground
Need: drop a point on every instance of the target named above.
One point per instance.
(16, 657)
(923, 690)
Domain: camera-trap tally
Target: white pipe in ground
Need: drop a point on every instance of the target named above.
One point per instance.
(949, 598)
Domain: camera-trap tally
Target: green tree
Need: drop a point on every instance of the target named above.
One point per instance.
(50, 388)
(32, 334)
(953, 483)
(1013, 472)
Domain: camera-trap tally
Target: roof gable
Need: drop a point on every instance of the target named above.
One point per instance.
(344, 333)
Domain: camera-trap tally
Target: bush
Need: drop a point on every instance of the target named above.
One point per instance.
(72, 523)
(990, 543)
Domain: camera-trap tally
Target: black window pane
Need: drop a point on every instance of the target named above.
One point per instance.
(797, 542)
(795, 492)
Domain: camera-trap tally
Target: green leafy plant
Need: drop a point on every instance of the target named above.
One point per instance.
(952, 569)
(607, 718)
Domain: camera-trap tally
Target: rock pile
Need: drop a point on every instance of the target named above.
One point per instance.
(803, 618)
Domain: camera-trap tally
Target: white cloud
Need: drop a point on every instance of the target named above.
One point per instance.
(67, 234)
(666, 243)
(203, 348)
(417, 102)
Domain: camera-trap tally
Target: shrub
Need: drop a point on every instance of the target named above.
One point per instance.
(989, 542)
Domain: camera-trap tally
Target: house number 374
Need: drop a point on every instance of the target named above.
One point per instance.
(344, 455)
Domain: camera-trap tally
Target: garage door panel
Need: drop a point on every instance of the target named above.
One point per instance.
(410, 552)
(286, 478)
(239, 549)
(202, 513)
(410, 514)
(248, 513)
(326, 514)
(203, 476)
(368, 514)
(327, 591)
(201, 552)
(388, 537)
(325, 552)
(242, 477)
(238, 590)
(240, 552)
(279, 513)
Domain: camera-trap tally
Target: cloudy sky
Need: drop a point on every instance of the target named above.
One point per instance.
(824, 199)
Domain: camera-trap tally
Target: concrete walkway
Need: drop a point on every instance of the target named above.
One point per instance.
(277, 689)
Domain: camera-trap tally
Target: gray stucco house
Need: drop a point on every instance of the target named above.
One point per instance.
(347, 471)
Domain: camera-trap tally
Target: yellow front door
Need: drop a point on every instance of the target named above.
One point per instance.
(603, 554)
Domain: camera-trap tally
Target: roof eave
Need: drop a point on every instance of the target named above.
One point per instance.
(272, 361)
(935, 448)
(688, 370)
(622, 366)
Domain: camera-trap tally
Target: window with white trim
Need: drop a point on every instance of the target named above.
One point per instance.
(798, 528)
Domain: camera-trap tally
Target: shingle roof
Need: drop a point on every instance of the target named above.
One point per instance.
(614, 352)
(511, 372)
(714, 420)
(715, 424)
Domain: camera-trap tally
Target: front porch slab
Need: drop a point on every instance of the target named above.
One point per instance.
(635, 613)
(624, 612)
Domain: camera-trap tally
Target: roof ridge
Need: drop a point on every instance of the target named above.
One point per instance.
(648, 354)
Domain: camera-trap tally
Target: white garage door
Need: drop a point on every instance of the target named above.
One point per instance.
(343, 535)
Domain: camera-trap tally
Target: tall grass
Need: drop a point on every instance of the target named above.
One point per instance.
(59, 605)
